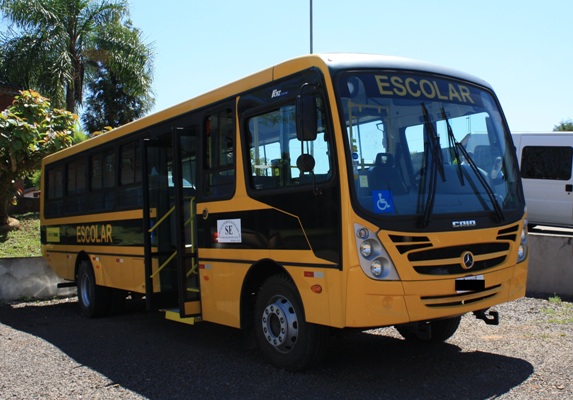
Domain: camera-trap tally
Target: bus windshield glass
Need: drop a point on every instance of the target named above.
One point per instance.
(423, 145)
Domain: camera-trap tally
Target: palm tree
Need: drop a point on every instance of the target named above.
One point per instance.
(110, 85)
(53, 46)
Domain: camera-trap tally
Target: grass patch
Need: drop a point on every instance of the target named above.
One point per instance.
(555, 299)
(558, 312)
(24, 241)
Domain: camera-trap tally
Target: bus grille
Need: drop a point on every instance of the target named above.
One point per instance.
(461, 298)
(429, 260)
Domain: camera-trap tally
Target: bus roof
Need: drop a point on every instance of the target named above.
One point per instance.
(327, 61)
(337, 61)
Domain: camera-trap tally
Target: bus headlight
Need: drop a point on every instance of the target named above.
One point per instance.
(522, 249)
(366, 248)
(381, 267)
(376, 268)
(374, 259)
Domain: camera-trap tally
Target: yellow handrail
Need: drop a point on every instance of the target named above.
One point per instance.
(167, 214)
(164, 264)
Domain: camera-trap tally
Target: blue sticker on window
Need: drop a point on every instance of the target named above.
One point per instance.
(383, 202)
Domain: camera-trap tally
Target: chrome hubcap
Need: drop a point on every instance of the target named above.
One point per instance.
(280, 324)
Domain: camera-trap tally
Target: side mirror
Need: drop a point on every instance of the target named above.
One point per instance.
(305, 163)
(306, 117)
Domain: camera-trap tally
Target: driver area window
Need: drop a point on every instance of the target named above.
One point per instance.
(274, 150)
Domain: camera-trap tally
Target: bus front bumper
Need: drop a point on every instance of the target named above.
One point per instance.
(373, 303)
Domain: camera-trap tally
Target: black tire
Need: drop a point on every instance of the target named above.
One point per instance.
(283, 335)
(435, 331)
(94, 300)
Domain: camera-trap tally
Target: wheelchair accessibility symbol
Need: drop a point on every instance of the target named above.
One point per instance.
(383, 202)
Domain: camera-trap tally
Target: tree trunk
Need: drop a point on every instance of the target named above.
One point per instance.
(5, 201)
(70, 99)
(7, 191)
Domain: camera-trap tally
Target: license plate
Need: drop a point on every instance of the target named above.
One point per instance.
(473, 283)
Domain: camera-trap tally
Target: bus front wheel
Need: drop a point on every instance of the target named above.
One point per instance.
(435, 331)
(94, 300)
(285, 338)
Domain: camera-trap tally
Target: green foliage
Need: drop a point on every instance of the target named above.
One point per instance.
(564, 126)
(115, 98)
(34, 179)
(78, 135)
(55, 47)
(29, 130)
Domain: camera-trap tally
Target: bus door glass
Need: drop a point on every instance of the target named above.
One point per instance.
(183, 181)
(169, 190)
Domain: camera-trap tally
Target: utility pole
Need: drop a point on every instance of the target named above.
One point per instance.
(310, 26)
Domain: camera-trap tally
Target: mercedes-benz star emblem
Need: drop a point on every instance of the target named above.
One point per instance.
(467, 260)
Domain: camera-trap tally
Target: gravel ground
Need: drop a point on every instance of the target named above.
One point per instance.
(47, 351)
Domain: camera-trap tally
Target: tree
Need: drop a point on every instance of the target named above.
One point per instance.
(564, 126)
(115, 99)
(29, 130)
(53, 46)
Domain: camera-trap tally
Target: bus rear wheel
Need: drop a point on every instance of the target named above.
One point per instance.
(435, 331)
(283, 335)
(94, 300)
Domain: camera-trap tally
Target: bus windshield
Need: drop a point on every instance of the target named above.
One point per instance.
(426, 146)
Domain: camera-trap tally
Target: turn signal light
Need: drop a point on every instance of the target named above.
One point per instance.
(316, 289)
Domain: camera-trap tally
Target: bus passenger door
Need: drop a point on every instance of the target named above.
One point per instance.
(170, 265)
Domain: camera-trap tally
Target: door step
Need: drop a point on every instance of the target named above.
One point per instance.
(192, 308)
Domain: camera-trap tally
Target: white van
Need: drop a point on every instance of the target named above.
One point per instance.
(545, 161)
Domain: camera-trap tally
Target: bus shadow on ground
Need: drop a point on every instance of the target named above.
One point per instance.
(160, 359)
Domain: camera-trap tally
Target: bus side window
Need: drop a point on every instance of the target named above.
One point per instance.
(130, 180)
(219, 154)
(54, 197)
(274, 150)
(270, 161)
(102, 181)
(76, 193)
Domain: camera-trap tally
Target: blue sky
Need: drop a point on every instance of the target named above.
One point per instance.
(522, 48)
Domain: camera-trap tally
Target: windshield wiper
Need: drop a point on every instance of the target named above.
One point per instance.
(453, 146)
(481, 179)
(434, 142)
(458, 147)
(431, 149)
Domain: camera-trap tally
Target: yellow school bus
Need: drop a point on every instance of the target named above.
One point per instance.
(327, 192)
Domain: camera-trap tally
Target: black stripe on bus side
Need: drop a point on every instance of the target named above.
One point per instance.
(98, 254)
(271, 229)
(260, 229)
(105, 233)
(284, 263)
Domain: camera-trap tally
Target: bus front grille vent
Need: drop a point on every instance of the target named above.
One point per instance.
(508, 233)
(405, 244)
(449, 260)
(460, 299)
